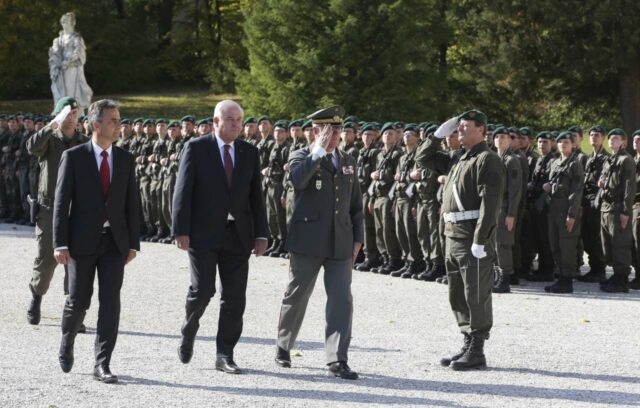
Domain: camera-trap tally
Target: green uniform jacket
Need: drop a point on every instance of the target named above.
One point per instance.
(327, 214)
(386, 164)
(47, 145)
(567, 181)
(592, 173)
(366, 164)
(619, 191)
(479, 178)
(277, 159)
(513, 184)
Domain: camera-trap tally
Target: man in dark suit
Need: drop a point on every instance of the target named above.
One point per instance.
(95, 227)
(219, 217)
(326, 231)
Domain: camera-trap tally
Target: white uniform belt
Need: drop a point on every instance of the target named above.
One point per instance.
(461, 216)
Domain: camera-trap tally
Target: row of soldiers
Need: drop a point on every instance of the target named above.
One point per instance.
(401, 198)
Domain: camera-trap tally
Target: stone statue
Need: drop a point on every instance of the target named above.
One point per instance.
(67, 57)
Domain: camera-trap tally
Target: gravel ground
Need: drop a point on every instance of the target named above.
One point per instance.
(576, 350)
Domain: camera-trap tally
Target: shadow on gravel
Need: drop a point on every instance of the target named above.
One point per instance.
(304, 394)
(305, 345)
(560, 374)
(581, 290)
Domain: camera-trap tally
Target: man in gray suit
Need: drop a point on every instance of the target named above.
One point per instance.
(326, 230)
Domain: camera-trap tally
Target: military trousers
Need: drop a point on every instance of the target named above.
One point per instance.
(276, 214)
(145, 196)
(636, 239)
(23, 181)
(168, 186)
(370, 244)
(303, 273)
(45, 264)
(617, 242)
(504, 244)
(385, 227)
(564, 244)
(539, 242)
(517, 244)
(406, 229)
(591, 239)
(470, 284)
(429, 229)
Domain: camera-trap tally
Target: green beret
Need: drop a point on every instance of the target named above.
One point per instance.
(398, 125)
(351, 119)
(125, 121)
(362, 123)
(543, 135)
(617, 131)
(411, 127)
(431, 129)
(597, 129)
(28, 116)
(349, 125)
(65, 101)
(148, 122)
(635, 133)
(174, 123)
(188, 118)
(564, 135)
(249, 119)
(296, 123)
(283, 124)
(11, 117)
(514, 129)
(575, 129)
(474, 114)
(136, 120)
(38, 118)
(202, 122)
(387, 126)
(162, 120)
(307, 124)
(554, 134)
(371, 126)
(491, 127)
(526, 131)
(500, 131)
(3, 116)
(264, 117)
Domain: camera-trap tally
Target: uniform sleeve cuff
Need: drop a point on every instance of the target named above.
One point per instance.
(318, 152)
(60, 248)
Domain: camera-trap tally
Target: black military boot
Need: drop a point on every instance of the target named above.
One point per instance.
(541, 275)
(635, 283)
(393, 265)
(443, 279)
(399, 272)
(274, 245)
(421, 273)
(617, 284)
(168, 239)
(562, 285)
(416, 266)
(151, 232)
(384, 262)
(435, 272)
(33, 313)
(473, 357)
(501, 283)
(593, 276)
(368, 264)
(446, 361)
(279, 250)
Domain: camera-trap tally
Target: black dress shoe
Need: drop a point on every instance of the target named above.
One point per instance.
(342, 370)
(185, 350)
(283, 358)
(103, 374)
(65, 357)
(227, 365)
(33, 313)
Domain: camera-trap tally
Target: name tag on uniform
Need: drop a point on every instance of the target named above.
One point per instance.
(347, 169)
(318, 184)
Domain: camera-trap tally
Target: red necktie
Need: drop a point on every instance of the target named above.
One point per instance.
(228, 164)
(104, 172)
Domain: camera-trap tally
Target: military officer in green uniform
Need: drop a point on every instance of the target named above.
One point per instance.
(564, 188)
(590, 228)
(618, 191)
(510, 205)
(405, 204)
(326, 231)
(155, 173)
(382, 206)
(126, 130)
(273, 175)
(538, 209)
(47, 145)
(366, 164)
(169, 165)
(250, 130)
(146, 150)
(471, 203)
(635, 283)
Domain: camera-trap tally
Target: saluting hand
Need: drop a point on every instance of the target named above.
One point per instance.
(324, 137)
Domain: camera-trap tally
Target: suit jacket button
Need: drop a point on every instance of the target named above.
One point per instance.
(305, 219)
(336, 211)
(337, 200)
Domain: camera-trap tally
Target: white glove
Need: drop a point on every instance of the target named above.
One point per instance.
(447, 128)
(60, 117)
(478, 251)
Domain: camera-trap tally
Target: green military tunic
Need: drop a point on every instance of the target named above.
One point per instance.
(366, 164)
(276, 213)
(405, 202)
(510, 207)
(386, 238)
(590, 228)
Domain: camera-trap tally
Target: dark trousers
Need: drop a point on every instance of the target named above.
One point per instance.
(109, 263)
(232, 262)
